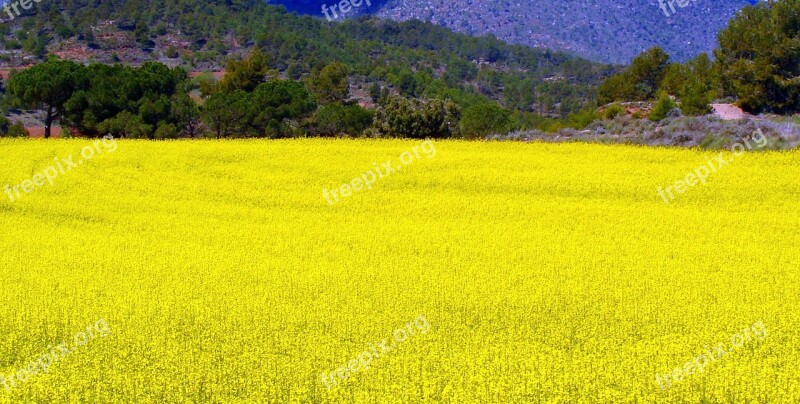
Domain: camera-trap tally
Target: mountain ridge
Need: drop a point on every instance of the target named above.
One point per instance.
(599, 30)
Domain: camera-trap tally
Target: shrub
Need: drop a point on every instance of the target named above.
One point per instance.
(418, 119)
(613, 111)
(662, 108)
(330, 84)
(335, 119)
(17, 130)
(582, 119)
(695, 103)
(167, 131)
(484, 119)
(171, 52)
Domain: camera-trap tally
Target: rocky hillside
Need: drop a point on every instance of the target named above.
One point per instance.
(602, 30)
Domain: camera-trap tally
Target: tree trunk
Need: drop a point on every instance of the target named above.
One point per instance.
(48, 122)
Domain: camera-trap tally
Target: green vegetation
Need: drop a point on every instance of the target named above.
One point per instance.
(417, 119)
(758, 54)
(337, 119)
(662, 108)
(413, 59)
(304, 76)
(755, 63)
(484, 119)
(47, 87)
(151, 102)
(639, 82)
(330, 83)
(7, 129)
(613, 111)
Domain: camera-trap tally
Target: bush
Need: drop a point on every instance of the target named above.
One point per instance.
(662, 108)
(695, 103)
(613, 111)
(17, 130)
(484, 119)
(330, 84)
(9, 130)
(171, 53)
(294, 71)
(582, 119)
(417, 119)
(167, 131)
(336, 119)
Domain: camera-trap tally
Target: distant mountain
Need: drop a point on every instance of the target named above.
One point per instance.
(601, 30)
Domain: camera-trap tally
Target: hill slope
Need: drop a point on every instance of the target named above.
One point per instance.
(603, 30)
(418, 59)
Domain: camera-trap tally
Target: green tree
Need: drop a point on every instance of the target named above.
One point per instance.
(375, 92)
(662, 107)
(246, 74)
(484, 119)
(335, 119)
(108, 90)
(167, 131)
(406, 84)
(519, 94)
(459, 71)
(276, 102)
(647, 70)
(225, 113)
(489, 82)
(330, 84)
(127, 125)
(46, 86)
(185, 114)
(757, 57)
(417, 119)
(640, 81)
(695, 84)
(616, 88)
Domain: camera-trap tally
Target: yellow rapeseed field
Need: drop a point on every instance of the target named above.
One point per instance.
(217, 271)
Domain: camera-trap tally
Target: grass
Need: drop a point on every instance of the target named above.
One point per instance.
(546, 273)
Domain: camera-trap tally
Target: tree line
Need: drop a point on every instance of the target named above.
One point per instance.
(756, 64)
(532, 88)
(153, 101)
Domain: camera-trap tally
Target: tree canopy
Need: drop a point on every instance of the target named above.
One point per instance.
(758, 57)
(47, 86)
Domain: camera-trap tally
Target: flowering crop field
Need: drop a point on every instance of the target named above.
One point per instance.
(219, 271)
